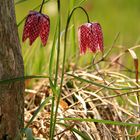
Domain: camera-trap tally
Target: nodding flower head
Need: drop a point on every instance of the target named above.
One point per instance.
(37, 24)
(90, 36)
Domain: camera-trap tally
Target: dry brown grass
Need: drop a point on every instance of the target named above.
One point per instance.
(81, 99)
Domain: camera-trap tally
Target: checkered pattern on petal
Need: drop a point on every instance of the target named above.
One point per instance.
(34, 28)
(28, 24)
(84, 38)
(44, 28)
(36, 24)
(90, 36)
(97, 36)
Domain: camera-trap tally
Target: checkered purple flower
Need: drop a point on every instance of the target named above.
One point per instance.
(37, 24)
(90, 37)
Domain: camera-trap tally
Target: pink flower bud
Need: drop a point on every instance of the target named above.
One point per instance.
(36, 24)
(90, 36)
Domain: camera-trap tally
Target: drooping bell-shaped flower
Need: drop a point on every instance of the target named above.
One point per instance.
(90, 37)
(37, 24)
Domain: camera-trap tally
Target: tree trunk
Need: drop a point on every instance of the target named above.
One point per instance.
(11, 66)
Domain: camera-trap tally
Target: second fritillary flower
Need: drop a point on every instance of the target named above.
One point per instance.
(37, 24)
(90, 37)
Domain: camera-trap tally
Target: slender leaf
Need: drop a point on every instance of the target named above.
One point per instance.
(22, 78)
(20, 1)
(83, 135)
(29, 134)
(100, 85)
(52, 53)
(102, 121)
(37, 111)
(81, 2)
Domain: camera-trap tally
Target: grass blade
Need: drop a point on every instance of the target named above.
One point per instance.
(29, 134)
(52, 53)
(37, 111)
(81, 2)
(20, 1)
(83, 135)
(100, 85)
(22, 78)
(136, 65)
(101, 121)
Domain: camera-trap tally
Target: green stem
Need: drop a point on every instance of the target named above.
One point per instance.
(52, 115)
(63, 64)
(50, 75)
(41, 7)
(58, 47)
(52, 125)
(33, 10)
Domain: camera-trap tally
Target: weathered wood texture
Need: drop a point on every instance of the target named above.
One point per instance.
(11, 66)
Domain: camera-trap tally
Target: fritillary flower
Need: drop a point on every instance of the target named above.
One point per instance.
(90, 37)
(37, 24)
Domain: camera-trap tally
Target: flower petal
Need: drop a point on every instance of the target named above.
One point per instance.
(27, 26)
(44, 25)
(96, 37)
(84, 38)
(31, 28)
(90, 36)
(34, 28)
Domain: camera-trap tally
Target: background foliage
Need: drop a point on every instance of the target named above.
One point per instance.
(115, 16)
